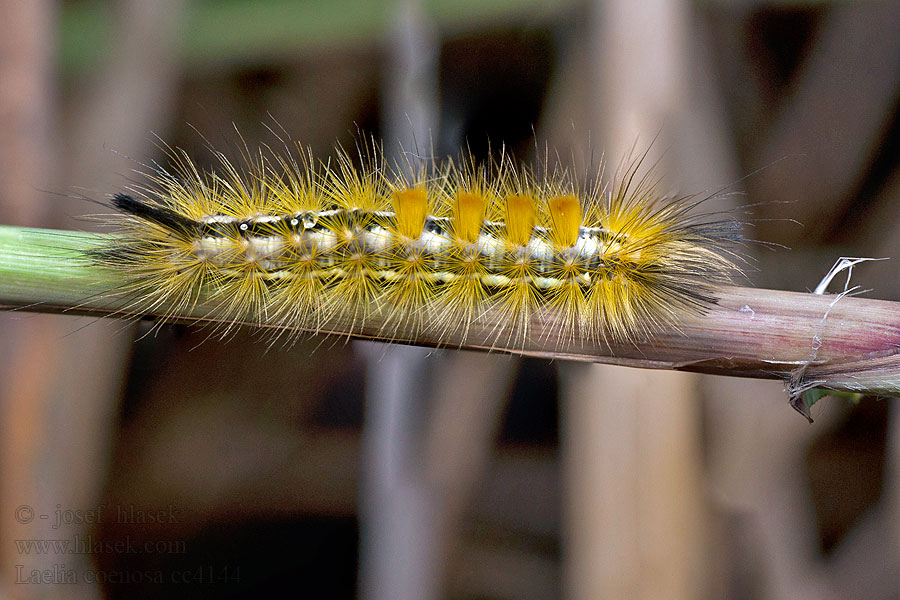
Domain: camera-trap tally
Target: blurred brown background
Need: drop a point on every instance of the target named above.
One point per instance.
(190, 467)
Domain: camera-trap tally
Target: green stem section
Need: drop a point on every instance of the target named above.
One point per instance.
(46, 270)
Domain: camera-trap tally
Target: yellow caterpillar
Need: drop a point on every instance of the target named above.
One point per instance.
(289, 242)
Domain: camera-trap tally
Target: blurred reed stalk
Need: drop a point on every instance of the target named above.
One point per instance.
(840, 343)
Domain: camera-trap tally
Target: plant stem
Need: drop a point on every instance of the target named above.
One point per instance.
(845, 344)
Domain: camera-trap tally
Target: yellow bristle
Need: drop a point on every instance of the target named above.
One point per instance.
(468, 215)
(565, 214)
(410, 209)
(520, 216)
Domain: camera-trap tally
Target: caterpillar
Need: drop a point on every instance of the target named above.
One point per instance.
(291, 243)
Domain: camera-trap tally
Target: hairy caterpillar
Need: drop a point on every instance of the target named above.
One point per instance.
(289, 242)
